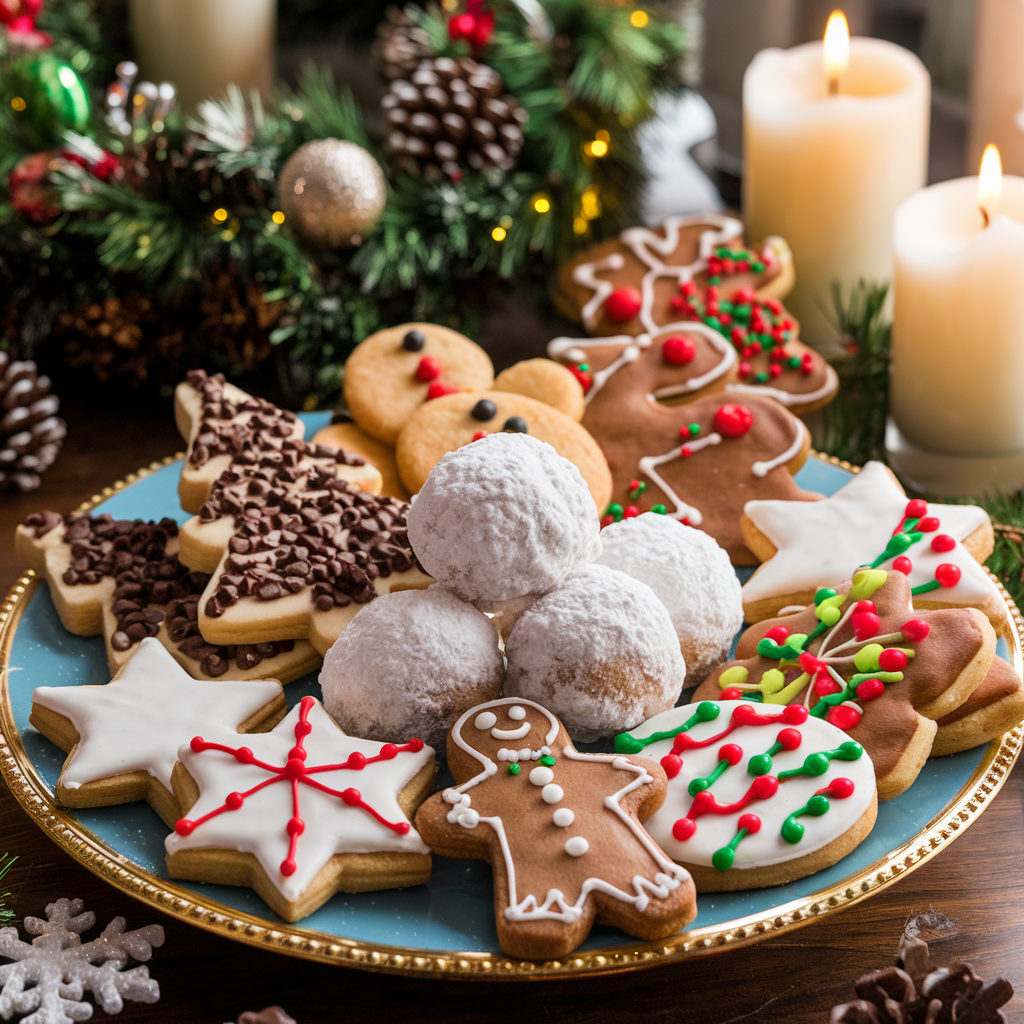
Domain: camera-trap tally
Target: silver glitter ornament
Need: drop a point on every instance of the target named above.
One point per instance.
(331, 192)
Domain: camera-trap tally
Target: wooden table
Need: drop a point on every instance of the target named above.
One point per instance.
(795, 977)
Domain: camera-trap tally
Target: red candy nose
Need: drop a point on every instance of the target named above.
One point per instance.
(623, 304)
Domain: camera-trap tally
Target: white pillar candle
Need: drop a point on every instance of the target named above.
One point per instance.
(997, 84)
(826, 172)
(203, 45)
(958, 330)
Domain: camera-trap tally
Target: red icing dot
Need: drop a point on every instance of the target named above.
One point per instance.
(751, 822)
(774, 370)
(428, 369)
(865, 624)
(794, 714)
(702, 803)
(823, 687)
(480, 435)
(294, 768)
(743, 296)
(245, 755)
(683, 829)
(774, 305)
(915, 629)
(671, 763)
(351, 796)
(296, 826)
(688, 288)
(903, 565)
(439, 390)
(790, 739)
(732, 693)
(415, 745)
(916, 509)
(840, 788)
(678, 350)
(865, 606)
(943, 543)
(288, 867)
(764, 786)
(184, 827)
(892, 660)
(634, 484)
(607, 521)
(743, 369)
(198, 743)
(686, 451)
(233, 801)
(947, 574)
(844, 717)
(777, 633)
(388, 751)
(297, 752)
(744, 714)
(731, 752)
(583, 377)
(357, 761)
(631, 512)
(733, 420)
(623, 304)
(928, 525)
(870, 689)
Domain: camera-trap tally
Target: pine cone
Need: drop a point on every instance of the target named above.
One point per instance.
(400, 45)
(449, 115)
(31, 431)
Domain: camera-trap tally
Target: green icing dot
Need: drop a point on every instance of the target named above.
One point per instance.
(615, 509)
(761, 378)
(824, 594)
(660, 509)
(584, 367)
(625, 744)
(794, 362)
(694, 429)
(757, 268)
(548, 761)
(707, 711)
(817, 805)
(698, 786)
(514, 769)
(816, 764)
(792, 830)
(723, 859)
(761, 764)
(851, 750)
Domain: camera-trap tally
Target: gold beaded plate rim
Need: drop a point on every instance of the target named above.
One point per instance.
(182, 903)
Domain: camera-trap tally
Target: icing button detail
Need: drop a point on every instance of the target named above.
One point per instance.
(516, 425)
(484, 410)
(486, 720)
(413, 341)
(469, 818)
(563, 817)
(516, 713)
(514, 769)
(551, 793)
(577, 846)
(541, 776)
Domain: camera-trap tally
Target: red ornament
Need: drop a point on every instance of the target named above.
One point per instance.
(733, 420)
(892, 660)
(915, 630)
(671, 763)
(865, 625)
(731, 752)
(438, 390)
(428, 369)
(623, 304)
(476, 25)
(903, 565)
(751, 822)
(789, 738)
(844, 716)
(29, 187)
(683, 829)
(916, 509)
(942, 543)
(678, 350)
(928, 525)
(870, 689)
(947, 574)
(778, 633)
(103, 167)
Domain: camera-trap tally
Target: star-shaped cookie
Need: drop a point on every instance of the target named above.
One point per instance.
(301, 812)
(122, 739)
(805, 545)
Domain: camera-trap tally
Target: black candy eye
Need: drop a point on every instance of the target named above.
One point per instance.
(516, 424)
(413, 341)
(484, 410)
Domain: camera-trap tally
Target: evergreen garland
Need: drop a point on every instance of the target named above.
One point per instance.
(6, 913)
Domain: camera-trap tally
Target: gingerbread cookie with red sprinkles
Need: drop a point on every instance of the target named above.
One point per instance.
(301, 812)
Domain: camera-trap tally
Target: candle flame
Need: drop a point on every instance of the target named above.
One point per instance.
(990, 182)
(835, 55)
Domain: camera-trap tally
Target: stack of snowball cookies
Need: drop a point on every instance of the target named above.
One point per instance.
(593, 623)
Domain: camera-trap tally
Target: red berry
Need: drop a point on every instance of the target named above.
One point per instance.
(903, 565)
(947, 574)
(623, 304)
(844, 717)
(789, 738)
(942, 543)
(870, 689)
(778, 633)
(751, 822)
(915, 630)
(916, 509)
(865, 624)
(733, 420)
(764, 786)
(928, 525)
(439, 390)
(892, 660)
(671, 763)
(841, 788)
(631, 512)
(683, 829)
(731, 752)
(678, 350)
(794, 714)
(428, 369)
(731, 693)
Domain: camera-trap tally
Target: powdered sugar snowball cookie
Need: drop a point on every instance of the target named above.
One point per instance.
(503, 518)
(409, 664)
(598, 651)
(691, 575)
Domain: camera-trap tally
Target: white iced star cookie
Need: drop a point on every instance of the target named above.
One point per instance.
(301, 812)
(122, 739)
(805, 545)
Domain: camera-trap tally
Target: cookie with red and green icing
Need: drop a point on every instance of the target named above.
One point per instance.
(561, 829)
(700, 462)
(863, 659)
(758, 794)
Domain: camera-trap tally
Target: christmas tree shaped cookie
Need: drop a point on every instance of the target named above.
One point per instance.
(861, 658)
(560, 828)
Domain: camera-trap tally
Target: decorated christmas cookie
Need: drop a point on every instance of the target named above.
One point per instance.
(702, 462)
(450, 422)
(409, 664)
(870, 521)
(997, 704)
(547, 382)
(345, 433)
(122, 579)
(758, 794)
(301, 812)
(293, 550)
(221, 422)
(691, 576)
(863, 659)
(560, 828)
(393, 372)
(122, 739)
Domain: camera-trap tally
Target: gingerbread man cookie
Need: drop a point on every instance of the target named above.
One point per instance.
(864, 660)
(560, 828)
(123, 579)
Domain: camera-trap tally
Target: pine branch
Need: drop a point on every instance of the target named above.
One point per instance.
(238, 134)
(6, 863)
(325, 110)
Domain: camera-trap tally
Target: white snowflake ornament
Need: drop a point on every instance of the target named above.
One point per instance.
(50, 975)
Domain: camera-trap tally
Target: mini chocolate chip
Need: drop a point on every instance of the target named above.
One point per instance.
(484, 410)
(516, 424)
(413, 341)
(120, 641)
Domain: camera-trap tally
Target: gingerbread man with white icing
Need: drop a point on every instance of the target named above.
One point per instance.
(560, 828)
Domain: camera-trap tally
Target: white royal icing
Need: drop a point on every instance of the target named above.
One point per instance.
(821, 543)
(791, 397)
(714, 831)
(137, 721)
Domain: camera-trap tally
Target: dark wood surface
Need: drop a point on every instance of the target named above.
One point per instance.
(796, 977)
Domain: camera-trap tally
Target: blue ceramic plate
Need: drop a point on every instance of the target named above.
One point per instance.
(446, 926)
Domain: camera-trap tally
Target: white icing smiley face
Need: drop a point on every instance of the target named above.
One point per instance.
(508, 730)
(488, 720)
